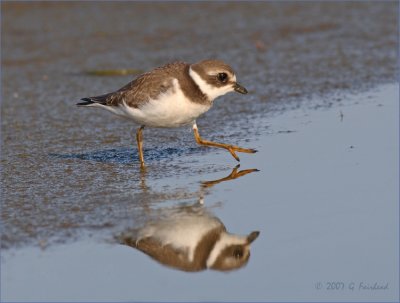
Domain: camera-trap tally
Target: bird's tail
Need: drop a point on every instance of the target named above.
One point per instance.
(86, 102)
(95, 101)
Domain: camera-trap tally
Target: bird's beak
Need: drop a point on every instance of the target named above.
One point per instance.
(252, 236)
(240, 89)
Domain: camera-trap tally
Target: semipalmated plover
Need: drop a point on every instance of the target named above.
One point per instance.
(173, 95)
(191, 239)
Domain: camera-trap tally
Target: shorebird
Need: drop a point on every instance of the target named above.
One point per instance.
(189, 238)
(173, 95)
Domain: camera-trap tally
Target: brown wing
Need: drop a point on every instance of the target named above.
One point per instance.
(145, 87)
(177, 258)
(166, 254)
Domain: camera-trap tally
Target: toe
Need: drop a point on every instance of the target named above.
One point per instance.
(232, 151)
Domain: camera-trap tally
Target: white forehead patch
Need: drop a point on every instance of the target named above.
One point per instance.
(210, 91)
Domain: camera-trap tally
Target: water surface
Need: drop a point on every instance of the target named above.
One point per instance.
(325, 201)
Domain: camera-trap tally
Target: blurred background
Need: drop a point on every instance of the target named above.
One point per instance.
(287, 49)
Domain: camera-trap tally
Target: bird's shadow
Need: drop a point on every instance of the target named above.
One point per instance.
(129, 155)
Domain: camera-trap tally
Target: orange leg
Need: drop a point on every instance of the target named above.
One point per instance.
(231, 148)
(233, 175)
(139, 139)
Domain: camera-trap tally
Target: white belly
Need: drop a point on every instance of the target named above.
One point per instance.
(182, 231)
(171, 109)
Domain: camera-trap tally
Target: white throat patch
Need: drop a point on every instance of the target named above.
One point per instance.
(210, 91)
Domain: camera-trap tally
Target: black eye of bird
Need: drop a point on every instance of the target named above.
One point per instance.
(222, 77)
(238, 253)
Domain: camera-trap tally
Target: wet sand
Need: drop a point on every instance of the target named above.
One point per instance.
(64, 167)
(71, 181)
(325, 200)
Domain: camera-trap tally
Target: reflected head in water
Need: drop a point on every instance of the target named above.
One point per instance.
(231, 251)
(189, 238)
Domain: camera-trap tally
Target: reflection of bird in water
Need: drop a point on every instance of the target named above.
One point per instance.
(190, 238)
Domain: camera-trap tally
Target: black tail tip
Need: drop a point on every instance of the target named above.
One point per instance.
(87, 102)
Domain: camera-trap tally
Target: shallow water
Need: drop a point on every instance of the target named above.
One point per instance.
(325, 198)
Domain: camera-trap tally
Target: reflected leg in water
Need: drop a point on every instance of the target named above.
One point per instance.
(143, 184)
(233, 175)
(189, 237)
